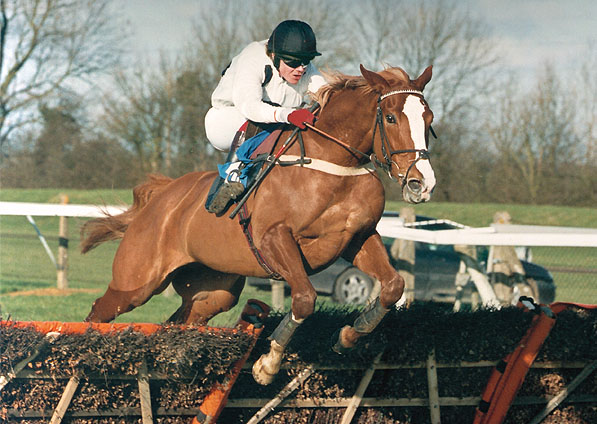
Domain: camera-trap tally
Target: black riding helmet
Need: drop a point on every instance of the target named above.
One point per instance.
(293, 39)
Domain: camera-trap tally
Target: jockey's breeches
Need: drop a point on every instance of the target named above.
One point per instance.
(221, 125)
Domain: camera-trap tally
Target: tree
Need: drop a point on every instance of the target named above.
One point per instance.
(47, 48)
(586, 121)
(66, 154)
(535, 140)
(157, 112)
(414, 35)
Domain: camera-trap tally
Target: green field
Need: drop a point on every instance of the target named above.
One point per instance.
(27, 274)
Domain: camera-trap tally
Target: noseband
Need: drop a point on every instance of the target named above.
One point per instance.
(386, 150)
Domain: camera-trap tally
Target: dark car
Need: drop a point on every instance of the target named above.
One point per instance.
(435, 272)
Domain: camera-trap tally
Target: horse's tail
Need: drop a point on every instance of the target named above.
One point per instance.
(112, 227)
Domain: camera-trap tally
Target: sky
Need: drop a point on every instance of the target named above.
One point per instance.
(528, 32)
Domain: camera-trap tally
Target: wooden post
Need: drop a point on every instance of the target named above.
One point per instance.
(62, 264)
(433, 389)
(277, 295)
(404, 251)
(283, 394)
(145, 394)
(560, 397)
(503, 264)
(65, 400)
(356, 400)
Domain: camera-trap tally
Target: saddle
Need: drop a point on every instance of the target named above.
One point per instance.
(267, 146)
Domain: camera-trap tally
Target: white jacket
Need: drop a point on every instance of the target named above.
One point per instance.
(241, 86)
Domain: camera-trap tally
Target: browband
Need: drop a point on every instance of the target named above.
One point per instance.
(391, 93)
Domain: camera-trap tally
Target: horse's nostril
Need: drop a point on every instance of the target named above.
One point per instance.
(415, 186)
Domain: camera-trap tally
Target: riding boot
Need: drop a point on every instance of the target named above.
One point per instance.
(222, 191)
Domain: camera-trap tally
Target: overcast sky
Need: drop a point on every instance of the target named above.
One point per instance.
(529, 32)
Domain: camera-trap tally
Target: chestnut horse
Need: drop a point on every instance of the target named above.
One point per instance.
(302, 218)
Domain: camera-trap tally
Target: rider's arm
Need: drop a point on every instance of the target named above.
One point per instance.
(247, 93)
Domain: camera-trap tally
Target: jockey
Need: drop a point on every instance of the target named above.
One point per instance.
(267, 83)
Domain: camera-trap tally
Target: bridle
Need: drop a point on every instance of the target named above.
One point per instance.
(387, 153)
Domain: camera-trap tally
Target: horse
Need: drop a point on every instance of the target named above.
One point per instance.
(300, 219)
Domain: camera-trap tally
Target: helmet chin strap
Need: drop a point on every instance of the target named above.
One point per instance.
(276, 61)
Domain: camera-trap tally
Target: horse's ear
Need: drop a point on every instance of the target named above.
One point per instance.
(425, 77)
(375, 81)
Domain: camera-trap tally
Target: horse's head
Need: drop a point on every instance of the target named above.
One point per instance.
(401, 133)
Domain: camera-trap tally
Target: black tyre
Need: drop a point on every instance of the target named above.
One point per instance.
(546, 290)
(352, 286)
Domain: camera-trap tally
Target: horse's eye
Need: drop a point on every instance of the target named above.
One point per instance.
(390, 119)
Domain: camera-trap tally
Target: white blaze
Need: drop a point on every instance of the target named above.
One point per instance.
(413, 109)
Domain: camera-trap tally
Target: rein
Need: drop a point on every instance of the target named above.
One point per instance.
(386, 150)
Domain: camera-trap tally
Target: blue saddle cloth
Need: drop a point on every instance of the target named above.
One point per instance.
(243, 154)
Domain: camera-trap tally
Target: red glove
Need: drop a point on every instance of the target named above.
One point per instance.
(300, 116)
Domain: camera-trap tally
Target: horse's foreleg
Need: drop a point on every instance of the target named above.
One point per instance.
(372, 259)
(282, 252)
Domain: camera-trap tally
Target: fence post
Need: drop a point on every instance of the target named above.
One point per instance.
(277, 295)
(503, 265)
(432, 387)
(404, 251)
(62, 264)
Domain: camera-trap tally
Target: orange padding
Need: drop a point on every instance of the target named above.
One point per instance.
(216, 399)
(519, 365)
(104, 328)
(509, 374)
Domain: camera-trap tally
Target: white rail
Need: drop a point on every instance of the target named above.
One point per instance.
(494, 235)
(49, 209)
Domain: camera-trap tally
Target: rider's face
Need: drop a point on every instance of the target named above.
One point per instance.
(291, 75)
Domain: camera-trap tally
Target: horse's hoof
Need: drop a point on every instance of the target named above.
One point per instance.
(260, 375)
(337, 346)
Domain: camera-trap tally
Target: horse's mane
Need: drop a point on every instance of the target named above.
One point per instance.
(337, 81)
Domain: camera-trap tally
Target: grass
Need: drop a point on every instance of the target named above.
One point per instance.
(481, 215)
(25, 266)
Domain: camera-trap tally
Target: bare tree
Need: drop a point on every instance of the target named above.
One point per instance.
(414, 35)
(48, 47)
(586, 103)
(533, 134)
(142, 113)
(585, 106)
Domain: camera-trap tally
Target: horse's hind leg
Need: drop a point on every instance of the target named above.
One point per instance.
(114, 303)
(205, 293)
(140, 270)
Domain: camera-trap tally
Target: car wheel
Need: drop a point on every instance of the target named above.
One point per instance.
(352, 286)
(546, 292)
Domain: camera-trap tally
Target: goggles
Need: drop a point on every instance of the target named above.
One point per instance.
(294, 62)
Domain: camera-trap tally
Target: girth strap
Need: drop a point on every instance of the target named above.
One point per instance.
(244, 220)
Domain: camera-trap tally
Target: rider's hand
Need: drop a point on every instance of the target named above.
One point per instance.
(300, 116)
